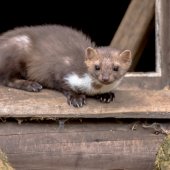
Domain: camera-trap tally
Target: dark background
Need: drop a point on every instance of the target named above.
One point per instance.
(98, 19)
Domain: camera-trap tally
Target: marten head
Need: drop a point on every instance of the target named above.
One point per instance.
(106, 64)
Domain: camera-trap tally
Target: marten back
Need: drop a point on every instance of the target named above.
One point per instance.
(39, 52)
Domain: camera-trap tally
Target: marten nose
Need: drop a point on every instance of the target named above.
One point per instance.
(105, 79)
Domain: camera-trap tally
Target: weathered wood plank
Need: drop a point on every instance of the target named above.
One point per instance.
(80, 162)
(132, 31)
(164, 35)
(142, 81)
(81, 145)
(51, 104)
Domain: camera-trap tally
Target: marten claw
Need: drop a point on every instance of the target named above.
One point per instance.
(106, 97)
(77, 100)
(35, 87)
(109, 100)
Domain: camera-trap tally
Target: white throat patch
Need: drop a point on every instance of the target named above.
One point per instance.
(79, 83)
(84, 84)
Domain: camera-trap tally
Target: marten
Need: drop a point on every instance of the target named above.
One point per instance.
(61, 58)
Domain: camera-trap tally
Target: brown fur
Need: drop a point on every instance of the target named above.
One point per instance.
(41, 56)
(107, 59)
(96, 86)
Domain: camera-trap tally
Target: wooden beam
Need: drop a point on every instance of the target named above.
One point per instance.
(86, 145)
(51, 104)
(163, 26)
(133, 29)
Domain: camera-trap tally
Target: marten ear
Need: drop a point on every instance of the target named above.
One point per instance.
(90, 53)
(126, 57)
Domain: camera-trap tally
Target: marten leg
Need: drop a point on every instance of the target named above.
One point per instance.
(75, 99)
(30, 86)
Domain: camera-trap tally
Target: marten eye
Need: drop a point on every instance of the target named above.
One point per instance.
(97, 67)
(116, 68)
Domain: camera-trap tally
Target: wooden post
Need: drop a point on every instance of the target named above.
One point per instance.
(132, 32)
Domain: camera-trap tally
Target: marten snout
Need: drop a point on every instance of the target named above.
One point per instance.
(105, 78)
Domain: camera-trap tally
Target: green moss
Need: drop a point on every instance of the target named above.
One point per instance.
(162, 161)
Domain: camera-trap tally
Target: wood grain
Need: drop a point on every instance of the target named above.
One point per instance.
(51, 104)
(164, 35)
(87, 145)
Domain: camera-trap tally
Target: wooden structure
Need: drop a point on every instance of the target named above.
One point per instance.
(132, 34)
(99, 144)
(39, 131)
(49, 104)
(150, 80)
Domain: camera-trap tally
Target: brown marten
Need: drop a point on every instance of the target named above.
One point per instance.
(61, 58)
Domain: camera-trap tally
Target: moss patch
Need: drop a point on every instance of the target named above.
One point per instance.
(162, 161)
(4, 164)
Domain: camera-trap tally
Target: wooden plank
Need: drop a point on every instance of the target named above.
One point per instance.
(51, 104)
(86, 145)
(163, 25)
(132, 32)
(142, 81)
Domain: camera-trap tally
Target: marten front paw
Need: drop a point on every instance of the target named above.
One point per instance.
(27, 85)
(106, 97)
(76, 100)
(34, 87)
